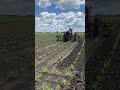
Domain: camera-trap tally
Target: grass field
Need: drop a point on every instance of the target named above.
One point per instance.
(17, 58)
(42, 39)
(107, 18)
(102, 56)
(11, 18)
(47, 38)
(56, 62)
(17, 24)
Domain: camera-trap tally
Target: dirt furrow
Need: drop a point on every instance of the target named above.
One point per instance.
(96, 61)
(69, 59)
(41, 55)
(52, 77)
(78, 81)
(44, 62)
(37, 49)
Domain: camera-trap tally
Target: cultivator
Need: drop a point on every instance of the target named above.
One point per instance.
(68, 36)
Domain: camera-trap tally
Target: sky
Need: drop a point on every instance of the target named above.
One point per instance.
(58, 15)
(17, 7)
(26, 7)
(55, 15)
(105, 7)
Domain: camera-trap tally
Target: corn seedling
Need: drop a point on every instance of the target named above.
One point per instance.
(44, 70)
(63, 82)
(68, 73)
(12, 74)
(36, 78)
(55, 72)
(45, 87)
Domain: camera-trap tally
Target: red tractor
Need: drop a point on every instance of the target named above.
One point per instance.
(68, 36)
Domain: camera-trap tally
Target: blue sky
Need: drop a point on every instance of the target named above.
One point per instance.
(57, 15)
(26, 7)
(51, 9)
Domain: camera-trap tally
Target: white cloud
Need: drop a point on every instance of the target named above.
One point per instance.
(47, 15)
(62, 4)
(80, 15)
(47, 19)
(69, 19)
(83, 2)
(52, 22)
(43, 3)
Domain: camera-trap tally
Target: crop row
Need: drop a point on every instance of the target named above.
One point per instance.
(53, 49)
(106, 65)
(54, 53)
(60, 55)
(45, 70)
